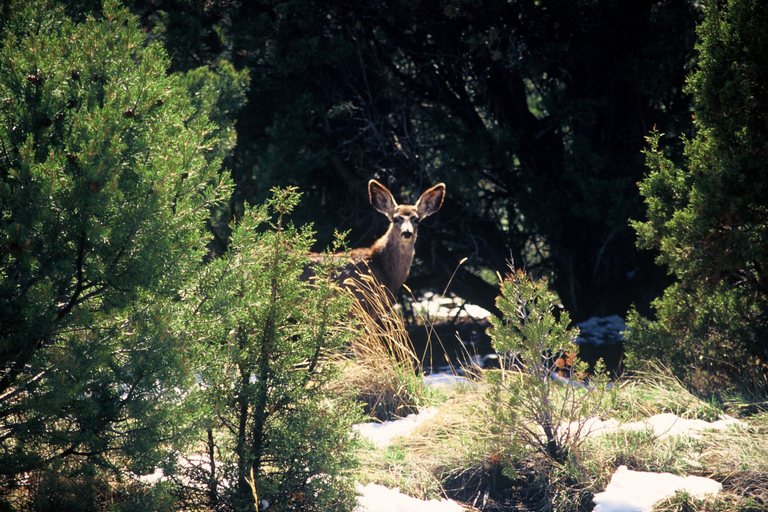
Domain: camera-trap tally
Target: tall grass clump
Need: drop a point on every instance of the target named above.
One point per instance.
(655, 389)
(540, 404)
(384, 368)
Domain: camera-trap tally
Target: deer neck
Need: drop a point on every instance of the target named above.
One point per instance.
(394, 257)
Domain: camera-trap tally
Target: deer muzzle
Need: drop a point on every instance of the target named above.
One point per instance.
(406, 230)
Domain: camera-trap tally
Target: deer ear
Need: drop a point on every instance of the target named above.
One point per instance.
(430, 201)
(381, 198)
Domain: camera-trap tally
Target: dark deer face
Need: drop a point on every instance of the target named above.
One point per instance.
(405, 218)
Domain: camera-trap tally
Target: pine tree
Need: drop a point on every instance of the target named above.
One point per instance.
(709, 220)
(275, 421)
(104, 194)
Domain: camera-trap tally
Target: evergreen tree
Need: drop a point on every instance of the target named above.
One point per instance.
(104, 193)
(709, 220)
(277, 428)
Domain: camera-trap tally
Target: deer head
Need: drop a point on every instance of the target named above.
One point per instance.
(405, 219)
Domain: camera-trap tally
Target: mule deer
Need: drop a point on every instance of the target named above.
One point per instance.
(389, 259)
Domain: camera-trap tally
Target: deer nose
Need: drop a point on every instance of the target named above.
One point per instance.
(407, 234)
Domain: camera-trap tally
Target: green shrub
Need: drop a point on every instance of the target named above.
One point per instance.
(267, 369)
(105, 190)
(541, 404)
(708, 221)
(83, 488)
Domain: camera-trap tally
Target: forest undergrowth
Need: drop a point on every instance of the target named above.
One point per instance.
(463, 453)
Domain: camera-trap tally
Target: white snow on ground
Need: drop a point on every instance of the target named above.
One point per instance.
(434, 305)
(638, 491)
(381, 434)
(628, 491)
(377, 498)
(446, 380)
(662, 425)
(599, 330)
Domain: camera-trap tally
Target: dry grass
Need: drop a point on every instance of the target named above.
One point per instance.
(656, 390)
(736, 457)
(383, 369)
(458, 454)
(451, 448)
(740, 459)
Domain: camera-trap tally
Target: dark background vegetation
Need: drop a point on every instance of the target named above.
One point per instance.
(533, 114)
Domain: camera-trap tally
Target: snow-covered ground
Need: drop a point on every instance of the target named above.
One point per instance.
(597, 330)
(628, 491)
(377, 498)
(438, 306)
(601, 329)
(661, 425)
(381, 434)
(638, 491)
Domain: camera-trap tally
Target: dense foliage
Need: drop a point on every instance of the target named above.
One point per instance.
(104, 194)
(709, 219)
(110, 313)
(266, 359)
(532, 113)
(151, 306)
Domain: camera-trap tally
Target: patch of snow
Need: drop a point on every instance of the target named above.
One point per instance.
(434, 305)
(446, 380)
(188, 463)
(152, 478)
(476, 311)
(665, 425)
(629, 491)
(381, 434)
(600, 330)
(377, 498)
(638, 491)
(661, 425)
